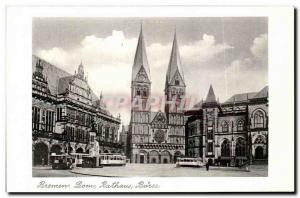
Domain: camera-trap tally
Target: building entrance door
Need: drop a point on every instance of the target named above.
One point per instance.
(259, 153)
(40, 155)
(142, 159)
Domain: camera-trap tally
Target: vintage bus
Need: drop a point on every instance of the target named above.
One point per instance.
(112, 159)
(193, 162)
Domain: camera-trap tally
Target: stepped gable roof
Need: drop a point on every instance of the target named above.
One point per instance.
(57, 78)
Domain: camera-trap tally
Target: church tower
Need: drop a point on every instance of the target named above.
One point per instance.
(210, 124)
(174, 97)
(140, 94)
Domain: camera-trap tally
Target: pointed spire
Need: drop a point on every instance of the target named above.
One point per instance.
(101, 96)
(175, 62)
(140, 59)
(80, 71)
(211, 97)
(39, 67)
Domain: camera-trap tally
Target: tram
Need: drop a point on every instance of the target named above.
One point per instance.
(112, 159)
(78, 158)
(193, 162)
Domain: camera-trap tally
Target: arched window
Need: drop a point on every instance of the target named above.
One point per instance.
(224, 126)
(241, 125)
(259, 140)
(176, 82)
(258, 119)
(145, 93)
(225, 148)
(240, 148)
(138, 92)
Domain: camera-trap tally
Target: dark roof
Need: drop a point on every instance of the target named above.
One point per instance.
(198, 105)
(264, 93)
(211, 97)
(63, 84)
(243, 97)
(54, 75)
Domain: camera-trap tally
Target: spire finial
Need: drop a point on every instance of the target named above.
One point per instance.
(80, 71)
(175, 31)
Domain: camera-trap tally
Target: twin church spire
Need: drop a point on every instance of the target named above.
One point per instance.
(174, 68)
(141, 62)
(140, 59)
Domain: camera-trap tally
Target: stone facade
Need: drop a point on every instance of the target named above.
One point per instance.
(229, 133)
(156, 137)
(67, 117)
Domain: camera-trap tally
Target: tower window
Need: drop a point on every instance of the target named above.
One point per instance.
(138, 92)
(240, 125)
(176, 82)
(258, 119)
(145, 93)
(225, 126)
(210, 147)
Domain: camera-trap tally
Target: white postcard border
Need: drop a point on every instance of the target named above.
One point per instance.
(281, 100)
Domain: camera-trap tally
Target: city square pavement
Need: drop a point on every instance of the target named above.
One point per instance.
(153, 170)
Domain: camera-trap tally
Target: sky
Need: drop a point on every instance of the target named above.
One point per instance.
(231, 54)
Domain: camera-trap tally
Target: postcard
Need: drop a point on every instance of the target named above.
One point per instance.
(150, 99)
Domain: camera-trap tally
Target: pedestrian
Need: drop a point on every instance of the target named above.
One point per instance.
(207, 166)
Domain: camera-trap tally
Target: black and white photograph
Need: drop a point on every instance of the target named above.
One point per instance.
(163, 97)
(150, 99)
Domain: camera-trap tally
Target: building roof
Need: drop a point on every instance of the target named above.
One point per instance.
(264, 93)
(174, 63)
(140, 59)
(243, 97)
(198, 105)
(57, 78)
(211, 97)
(63, 84)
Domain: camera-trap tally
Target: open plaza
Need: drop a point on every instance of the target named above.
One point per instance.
(153, 170)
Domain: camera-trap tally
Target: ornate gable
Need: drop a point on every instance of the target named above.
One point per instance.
(142, 76)
(159, 121)
(177, 80)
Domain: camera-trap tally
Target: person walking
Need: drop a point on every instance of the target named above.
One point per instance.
(207, 166)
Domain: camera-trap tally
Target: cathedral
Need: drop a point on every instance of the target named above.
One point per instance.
(231, 133)
(156, 137)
